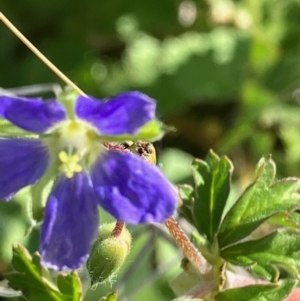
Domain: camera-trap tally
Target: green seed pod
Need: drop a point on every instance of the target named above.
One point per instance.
(108, 253)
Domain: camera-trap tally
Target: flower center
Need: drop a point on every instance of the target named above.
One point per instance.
(69, 164)
(76, 135)
(76, 146)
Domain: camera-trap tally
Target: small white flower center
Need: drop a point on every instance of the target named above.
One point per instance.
(76, 135)
(76, 146)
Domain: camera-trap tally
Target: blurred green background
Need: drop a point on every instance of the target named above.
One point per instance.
(225, 74)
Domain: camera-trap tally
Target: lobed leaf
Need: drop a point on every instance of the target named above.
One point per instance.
(69, 284)
(186, 193)
(261, 200)
(34, 280)
(270, 292)
(212, 178)
(288, 220)
(278, 250)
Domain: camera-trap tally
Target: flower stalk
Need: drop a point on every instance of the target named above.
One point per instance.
(118, 229)
(190, 251)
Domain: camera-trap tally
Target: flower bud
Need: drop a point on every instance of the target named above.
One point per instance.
(108, 253)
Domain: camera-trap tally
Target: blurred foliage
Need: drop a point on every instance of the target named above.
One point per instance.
(225, 73)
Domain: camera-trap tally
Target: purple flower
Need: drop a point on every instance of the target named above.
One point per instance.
(64, 140)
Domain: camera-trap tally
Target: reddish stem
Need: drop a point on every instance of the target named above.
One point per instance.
(115, 146)
(187, 247)
(118, 229)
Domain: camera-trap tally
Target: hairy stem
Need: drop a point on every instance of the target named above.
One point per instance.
(190, 251)
(118, 228)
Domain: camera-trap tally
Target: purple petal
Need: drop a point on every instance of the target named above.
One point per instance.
(133, 190)
(123, 114)
(31, 114)
(22, 163)
(70, 224)
(4, 103)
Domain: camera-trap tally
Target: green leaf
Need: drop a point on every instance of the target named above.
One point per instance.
(286, 220)
(278, 250)
(186, 193)
(261, 200)
(212, 178)
(69, 284)
(270, 272)
(34, 280)
(151, 131)
(110, 297)
(270, 292)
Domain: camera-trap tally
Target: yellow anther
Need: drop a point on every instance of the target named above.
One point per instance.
(69, 164)
(63, 157)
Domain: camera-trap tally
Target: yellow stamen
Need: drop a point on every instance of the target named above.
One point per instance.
(69, 164)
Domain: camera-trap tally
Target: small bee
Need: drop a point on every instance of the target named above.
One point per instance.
(144, 149)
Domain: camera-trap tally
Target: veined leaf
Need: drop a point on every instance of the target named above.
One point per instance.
(270, 292)
(261, 200)
(34, 280)
(212, 178)
(280, 249)
(289, 220)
